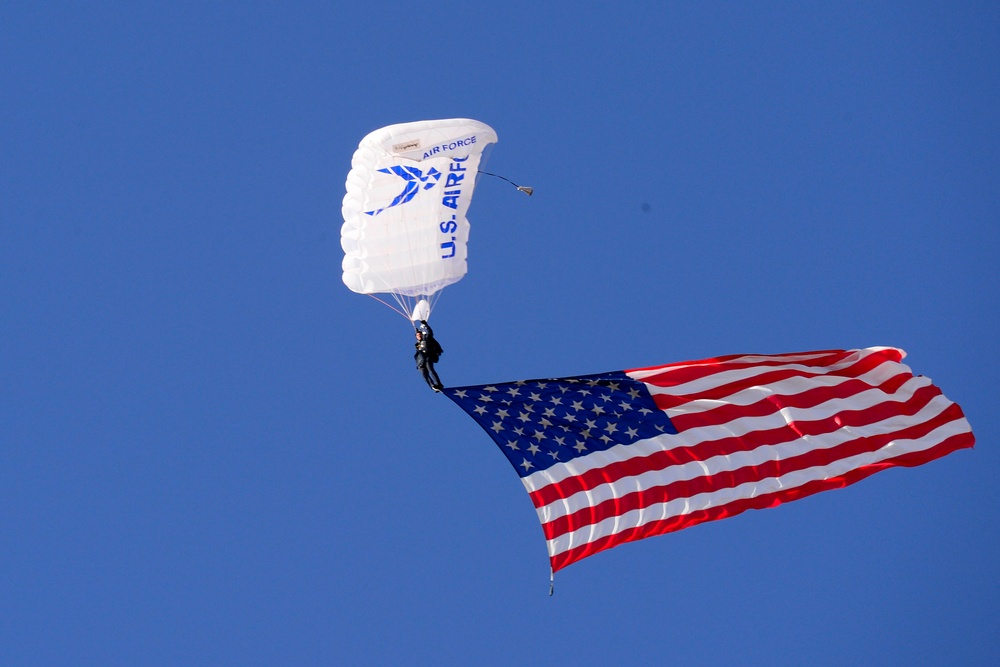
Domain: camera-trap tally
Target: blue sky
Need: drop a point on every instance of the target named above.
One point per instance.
(212, 452)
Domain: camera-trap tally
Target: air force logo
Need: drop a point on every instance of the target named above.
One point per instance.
(414, 178)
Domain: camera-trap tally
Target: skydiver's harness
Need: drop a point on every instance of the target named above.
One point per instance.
(428, 349)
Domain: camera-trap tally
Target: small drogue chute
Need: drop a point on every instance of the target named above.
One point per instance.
(405, 229)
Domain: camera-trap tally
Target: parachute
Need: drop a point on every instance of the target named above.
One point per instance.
(405, 230)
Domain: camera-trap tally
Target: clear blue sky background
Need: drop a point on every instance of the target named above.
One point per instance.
(211, 452)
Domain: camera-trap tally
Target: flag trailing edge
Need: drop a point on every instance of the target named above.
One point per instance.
(616, 457)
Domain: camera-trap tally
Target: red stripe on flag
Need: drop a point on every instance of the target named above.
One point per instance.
(725, 446)
(712, 364)
(721, 392)
(733, 478)
(771, 403)
(559, 561)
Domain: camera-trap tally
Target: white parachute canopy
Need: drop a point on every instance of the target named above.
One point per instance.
(405, 229)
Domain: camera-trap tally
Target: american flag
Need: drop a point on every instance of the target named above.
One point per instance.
(616, 457)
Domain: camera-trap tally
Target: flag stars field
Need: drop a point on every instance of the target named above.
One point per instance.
(575, 406)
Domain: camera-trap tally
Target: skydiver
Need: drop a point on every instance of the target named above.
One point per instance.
(427, 354)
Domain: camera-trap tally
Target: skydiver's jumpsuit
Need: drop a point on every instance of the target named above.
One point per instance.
(427, 354)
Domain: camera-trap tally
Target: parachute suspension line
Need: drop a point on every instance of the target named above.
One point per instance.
(434, 298)
(405, 303)
(390, 306)
(523, 188)
(404, 306)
